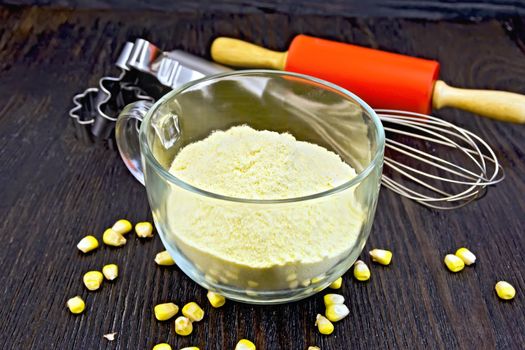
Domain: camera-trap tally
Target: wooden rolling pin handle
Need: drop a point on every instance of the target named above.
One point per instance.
(238, 53)
(499, 105)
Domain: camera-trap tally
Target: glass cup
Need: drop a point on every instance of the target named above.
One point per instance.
(257, 251)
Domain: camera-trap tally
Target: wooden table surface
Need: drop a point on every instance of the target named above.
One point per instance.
(55, 190)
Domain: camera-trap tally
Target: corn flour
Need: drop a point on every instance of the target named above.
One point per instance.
(254, 245)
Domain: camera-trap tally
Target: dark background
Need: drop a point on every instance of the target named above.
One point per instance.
(426, 9)
(55, 189)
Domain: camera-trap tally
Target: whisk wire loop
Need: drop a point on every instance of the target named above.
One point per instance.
(432, 180)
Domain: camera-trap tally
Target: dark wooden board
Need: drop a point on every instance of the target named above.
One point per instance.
(428, 9)
(54, 190)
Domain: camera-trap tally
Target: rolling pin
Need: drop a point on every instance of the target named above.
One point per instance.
(382, 79)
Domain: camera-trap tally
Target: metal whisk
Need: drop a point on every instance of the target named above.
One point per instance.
(427, 159)
(422, 175)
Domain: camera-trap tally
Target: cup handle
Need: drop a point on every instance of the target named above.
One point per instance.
(127, 136)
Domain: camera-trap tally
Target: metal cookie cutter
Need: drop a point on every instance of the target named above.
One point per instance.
(146, 73)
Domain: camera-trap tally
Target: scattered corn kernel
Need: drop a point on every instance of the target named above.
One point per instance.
(505, 290)
(87, 244)
(216, 300)
(110, 271)
(331, 299)
(193, 311)
(110, 336)
(361, 271)
(466, 255)
(93, 280)
(164, 312)
(183, 326)
(245, 344)
(314, 348)
(336, 312)
(324, 325)
(336, 284)
(162, 346)
(164, 258)
(113, 238)
(144, 229)
(76, 305)
(190, 348)
(381, 256)
(454, 263)
(122, 226)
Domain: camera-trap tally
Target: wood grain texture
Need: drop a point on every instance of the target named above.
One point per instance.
(56, 190)
(428, 9)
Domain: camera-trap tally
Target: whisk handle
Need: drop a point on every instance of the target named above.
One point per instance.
(499, 105)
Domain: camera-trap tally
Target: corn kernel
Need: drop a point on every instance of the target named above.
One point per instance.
(183, 326)
(331, 299)
(164, 258)
(361, 271)
(454, 263)
(87, 244)
(381, 256)
(336, 284)
(336, 312)
(324, 325)
(110, 271)
(505, 290)
(164, 312)
(245, 344)
(162, 346)
(216, 300)
(113, 238)
(122, 226)
(144, 229)
(318, 279)
(193, 311)
(93, 280)
(466, 255)
(314, 348)
(190, 348)
(76, 305)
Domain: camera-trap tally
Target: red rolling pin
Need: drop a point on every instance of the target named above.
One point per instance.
(382, 79)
